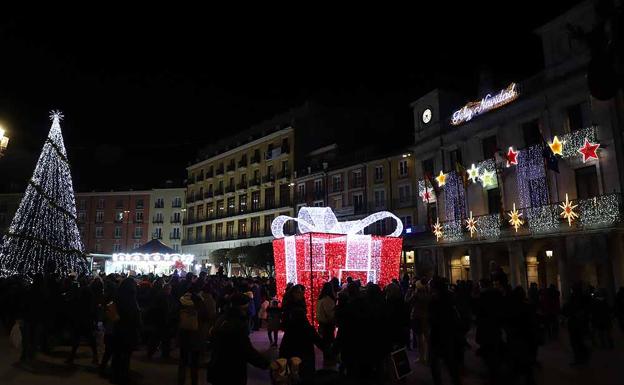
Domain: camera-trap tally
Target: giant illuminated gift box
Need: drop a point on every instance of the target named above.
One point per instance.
(326, 248)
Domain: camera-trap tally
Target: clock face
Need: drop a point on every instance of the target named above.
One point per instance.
(426, 116)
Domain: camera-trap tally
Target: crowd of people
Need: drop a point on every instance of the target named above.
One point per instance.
(209, 319)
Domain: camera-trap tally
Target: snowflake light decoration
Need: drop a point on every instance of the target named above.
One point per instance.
(514, 218)
(487, 178)
(471, 225)
(473, 173)
(437, 230)
(568, 211)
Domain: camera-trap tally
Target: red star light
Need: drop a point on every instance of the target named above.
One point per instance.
(589, 150)
(512, 157)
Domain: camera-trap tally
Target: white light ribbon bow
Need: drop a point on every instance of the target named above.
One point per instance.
(323, 220)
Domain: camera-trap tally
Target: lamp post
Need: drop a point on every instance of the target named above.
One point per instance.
(4, 141)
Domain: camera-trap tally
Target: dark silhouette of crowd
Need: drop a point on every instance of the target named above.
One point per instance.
(209, 320)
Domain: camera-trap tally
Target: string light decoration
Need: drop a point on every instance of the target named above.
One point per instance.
(576, 139)
(568, 211)
(489, 226)
(531, 178)
(326, 248)
(602, 210)
(426, 193)
(441, 179)
(589, 150)
(43, 236)
(471, 225)
(473, 173)
(543, 219)
(512, 157)
(515, 218)
(453, 230)
(454, 197)
(437, 230)
(556, 146)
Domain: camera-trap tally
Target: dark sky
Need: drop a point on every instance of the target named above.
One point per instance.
(143, 91)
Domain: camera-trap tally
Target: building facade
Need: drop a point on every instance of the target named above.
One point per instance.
(519, 148)
(168, 206)
(233, 196)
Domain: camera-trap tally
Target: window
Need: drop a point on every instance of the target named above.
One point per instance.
(489, 147)
(318, 186)
(380, 198)
(586, 182)
(99, 216)
(268, 219)
(301, 191)
(139, 203)
(319, 203)
(176, 217)
(81, 217)
(255, 226)
(200, 213)
(138, 216)
(455, 157)
(119, 216)
(256, 176)
(336, 183)
(427, 166)
(160, 203)
(208, 233)
(138, 232)
(255, 200)
(378, 173)
(210, 213)
(231, 206)
(574, 117)
(494, 200)
(176, 233)
(243, 179)
(242, 228)
(159, 216)
(116, 247)
(380, 227)
(219, 231)
(100, 203)
(358, 202)
(177, 201)
(269, 198)
(117, 233)
(189, 233)
(242, 203)
(220, 208)
(99, 232)
(198, 233)
(83, 204)
(531, 133)
(403, 167)
(357, 178)
(158, 233)
(229, 230)
(404, 193)
(221, 186)
(285, 167)
(231, 183)
(432, 213)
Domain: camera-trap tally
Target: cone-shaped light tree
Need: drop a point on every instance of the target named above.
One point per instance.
(43, 236)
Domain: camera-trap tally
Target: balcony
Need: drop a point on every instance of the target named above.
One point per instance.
(219, 171)
(336, 187)
(176, 205)
(156, 236)
(208, 194)
(241, 186)
(230, 189)
(268, 179)
(174, 236)
(233, 211)
(190, 199)
(600, 212)
(284, 174)
(254, 182)
(255, 159)
(157, 220)
(357, 183)
(231, 167)
(218, 192)
(200, 178)
(190, 180)
(159, 205)
(175, 220)
(242, 163)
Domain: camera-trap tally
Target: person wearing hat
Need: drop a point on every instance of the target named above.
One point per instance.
(232, 349)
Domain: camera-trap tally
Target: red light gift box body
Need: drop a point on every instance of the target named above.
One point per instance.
(327, 248)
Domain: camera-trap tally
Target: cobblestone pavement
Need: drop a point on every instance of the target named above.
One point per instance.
(606, 367)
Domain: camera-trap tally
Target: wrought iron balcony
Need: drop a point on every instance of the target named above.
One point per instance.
(219, 171)
(209, 174)
(255, 159)
(242, 163)
(157, 220)
(241, 186)
(230, 189)
(231, 167)
(268, 178)
(208, 194)
(218, 192)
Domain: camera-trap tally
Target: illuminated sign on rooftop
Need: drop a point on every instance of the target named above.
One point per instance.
(489, 102)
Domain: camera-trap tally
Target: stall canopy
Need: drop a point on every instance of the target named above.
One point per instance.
(154, 256)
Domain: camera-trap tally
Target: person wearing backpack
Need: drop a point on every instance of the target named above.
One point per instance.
(189, 338)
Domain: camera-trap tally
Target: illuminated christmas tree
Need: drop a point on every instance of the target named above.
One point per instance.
(44, 236)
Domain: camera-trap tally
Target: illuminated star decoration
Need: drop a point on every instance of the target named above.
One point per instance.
(556, 146)
(441, 179)
(473, 173)
(437, 230)
(471, 225)
(427, 194)
(589, 150)
(487, 178)
(515, 219)
(512, 157)
(568, 211)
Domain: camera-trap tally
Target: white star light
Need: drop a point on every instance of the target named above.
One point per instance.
(487, 178)
(473, 173)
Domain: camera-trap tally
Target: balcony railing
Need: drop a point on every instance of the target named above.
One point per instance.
(218, 192)
(175, 220)
(232, 212)
(255, 159)
(241, 186)
(159, 205)
(357, 183)
(254, 182)
(284, 174)
(209, 174)
(157, 220)
(174, 236)
(219, 171)
(190, 199)
(242, 163)
(268, 178)
(230, 189)
(231, 167)
(200, 177)
(176, 205)
(208, 194)
(602, 211)
(226, 237)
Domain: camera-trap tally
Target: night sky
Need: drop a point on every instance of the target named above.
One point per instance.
(143, 91)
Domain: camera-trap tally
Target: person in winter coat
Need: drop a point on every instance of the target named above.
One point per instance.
(299, 340)
(326, 318)
(189, 340)
(160, 318)
(274, 317)
(576, 310)
(232, 349)
(82, 318)
(601, 319)
(125, 330)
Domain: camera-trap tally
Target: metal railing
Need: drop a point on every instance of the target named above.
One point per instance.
(231, 167)
(247, 209)
(242, 163)
(157, 220)
(268, 178)
(241, 186)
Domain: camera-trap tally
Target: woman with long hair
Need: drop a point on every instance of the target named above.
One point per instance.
(325, 316)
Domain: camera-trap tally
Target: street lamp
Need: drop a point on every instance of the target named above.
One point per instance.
(4, 141)
(549, 253)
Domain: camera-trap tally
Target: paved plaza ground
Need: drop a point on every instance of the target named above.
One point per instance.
(606, 367)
